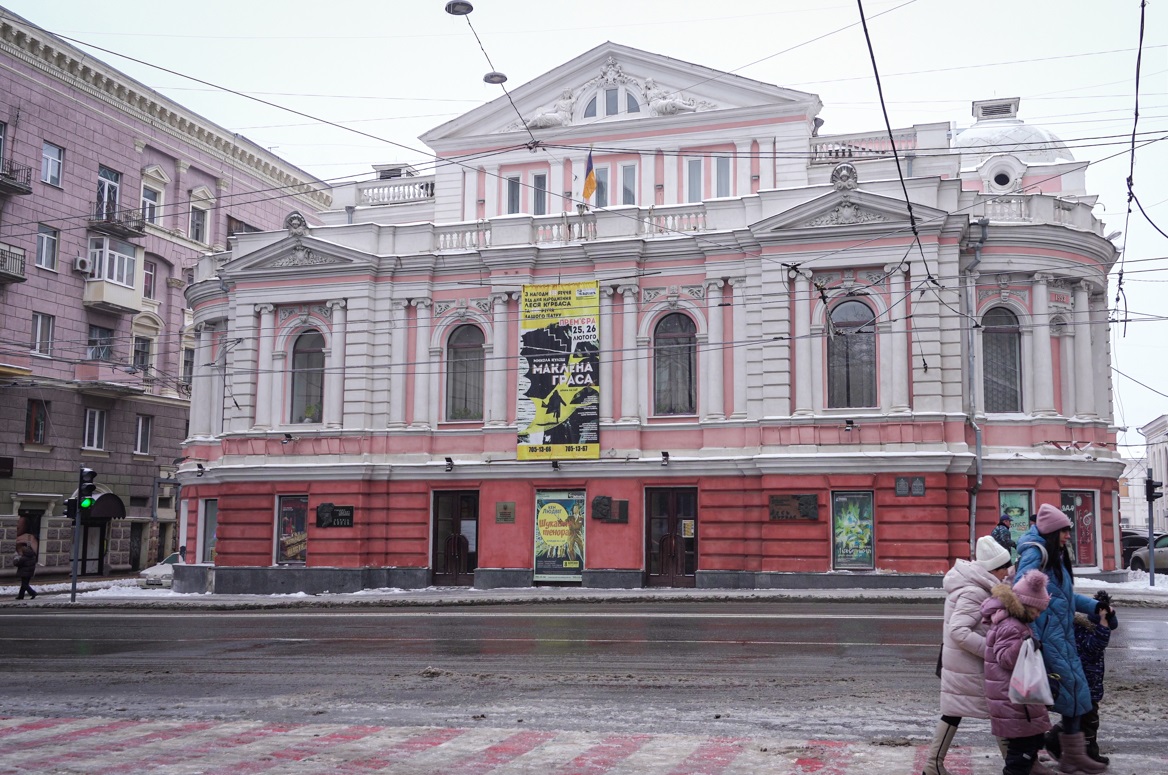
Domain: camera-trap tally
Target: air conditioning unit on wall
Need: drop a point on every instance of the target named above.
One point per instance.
(83, 264)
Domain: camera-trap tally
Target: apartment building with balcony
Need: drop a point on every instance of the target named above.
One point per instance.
(739, 353)
(109, 194)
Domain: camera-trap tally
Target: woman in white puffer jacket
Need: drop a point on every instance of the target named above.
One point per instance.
(967, 586)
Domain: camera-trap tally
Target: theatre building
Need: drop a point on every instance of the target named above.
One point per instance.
(652, 326)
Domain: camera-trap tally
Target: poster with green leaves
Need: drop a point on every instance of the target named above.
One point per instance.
(851, 528)
(559, 535)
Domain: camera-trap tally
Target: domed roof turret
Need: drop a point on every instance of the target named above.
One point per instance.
(999, 130)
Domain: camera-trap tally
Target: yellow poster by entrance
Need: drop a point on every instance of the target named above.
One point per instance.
(558, 410)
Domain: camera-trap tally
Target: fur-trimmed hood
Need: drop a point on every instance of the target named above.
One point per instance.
(1009, 602)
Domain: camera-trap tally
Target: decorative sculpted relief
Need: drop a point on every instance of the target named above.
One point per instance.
(559, 114)
(844, 214)
(302, 256)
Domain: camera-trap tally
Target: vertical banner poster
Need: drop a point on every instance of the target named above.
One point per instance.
(851, 528)
(559, 535)
(292, 530)
(1015, 504)
(1079, 506)
(558, 413)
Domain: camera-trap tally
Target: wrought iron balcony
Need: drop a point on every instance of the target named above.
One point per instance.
(106, 219)
(15, 178)
(11, 264)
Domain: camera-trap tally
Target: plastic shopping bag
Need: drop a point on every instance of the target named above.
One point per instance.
(1028, 683)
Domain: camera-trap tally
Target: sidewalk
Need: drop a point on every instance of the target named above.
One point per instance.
(123, 592)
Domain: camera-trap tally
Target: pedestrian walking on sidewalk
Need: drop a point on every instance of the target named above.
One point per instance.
(25, 563)
(1044, 548)
(1008, 614)
(1001, 533)
(967, 586)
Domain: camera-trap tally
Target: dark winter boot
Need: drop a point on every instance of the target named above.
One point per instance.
(1090, 726)
(1052, 741)
(942, 739)
(1074, 760)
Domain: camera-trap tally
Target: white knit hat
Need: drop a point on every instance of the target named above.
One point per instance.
(991, 555)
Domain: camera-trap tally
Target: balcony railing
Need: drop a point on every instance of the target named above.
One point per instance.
(395, 191)
(107, 219)
(11, 265)
(1037, 209)
(15, 178)
(833, 150)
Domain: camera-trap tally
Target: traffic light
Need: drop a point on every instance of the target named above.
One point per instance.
(85, 490)
(71, 509)
(1152, 490)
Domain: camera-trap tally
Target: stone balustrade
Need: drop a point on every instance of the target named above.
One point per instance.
(837, 148)
(395, 191)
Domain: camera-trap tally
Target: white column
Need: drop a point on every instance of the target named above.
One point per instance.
(899, 349)
(715, 350)
(741, 185)
(1043, 374)
(630, 412)
(422, 365)
(498, 365)
(263, 383)
(398, 365)
(606, 360)
(648, 171)
(201, 384)
(333, 411)
(556, 203)
(217, 395)
(803, 373)
(738, 344)
(1084, 365)
(673, 194)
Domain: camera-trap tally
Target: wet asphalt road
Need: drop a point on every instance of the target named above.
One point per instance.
(810, 669)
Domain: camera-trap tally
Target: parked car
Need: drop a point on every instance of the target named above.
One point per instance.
(1139, 557)
(160, 575)
(1129, 541)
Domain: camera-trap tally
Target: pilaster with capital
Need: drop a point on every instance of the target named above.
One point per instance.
(713, 364)
(738, 295)
(499, 362)
(803, 383)
(422, 364)
(398, 364)
(606, 359)
(1084, 364)
(897, 277)
(630, 412)
(334, 397)
(201, 384)
(263, 385)
(1040, 336)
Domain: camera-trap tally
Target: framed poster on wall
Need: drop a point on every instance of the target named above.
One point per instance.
(1016, 505)
(1079, 506)
(559, 535)
(851, 531)
(292, 530)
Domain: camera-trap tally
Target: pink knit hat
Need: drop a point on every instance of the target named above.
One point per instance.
(1031, 590)
(1051, 520)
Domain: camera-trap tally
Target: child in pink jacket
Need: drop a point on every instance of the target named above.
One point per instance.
(1009, 612)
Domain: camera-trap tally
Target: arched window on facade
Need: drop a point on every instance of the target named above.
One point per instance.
(308, 377)
(675, 351)
(464, 374)
(1001, 345)
(851, 356)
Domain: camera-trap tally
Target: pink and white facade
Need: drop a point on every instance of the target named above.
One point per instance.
(794, 377)
(109, 195)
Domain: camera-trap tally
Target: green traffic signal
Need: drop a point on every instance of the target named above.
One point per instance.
(86, 489)
(87, 502)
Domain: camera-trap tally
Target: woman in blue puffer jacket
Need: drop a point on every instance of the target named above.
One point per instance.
(1043, 547)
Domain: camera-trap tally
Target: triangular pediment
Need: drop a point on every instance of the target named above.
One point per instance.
(615, 83)
(298, 253)
(847, 208)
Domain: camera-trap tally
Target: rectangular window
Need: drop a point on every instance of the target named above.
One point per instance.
(610, 101)
(113, 260)
(512, 196)
(142, 353)
(142, 434)
(629, 184)
(94, 429)
(723, 176)
(100, 346)
(42, 333)
(188, 365)
(52, 163)
(292, 530)
(693, 184)
(109, 183)
(210, 530)
(151, 199)
(36, 422)
(539, 184)
(48, 246)
(150, 268)
(198, 225)
(601, 186)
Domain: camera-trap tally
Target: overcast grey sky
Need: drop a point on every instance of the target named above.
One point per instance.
(395, 68)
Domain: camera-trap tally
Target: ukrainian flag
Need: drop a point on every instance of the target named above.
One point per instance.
(589, 178)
